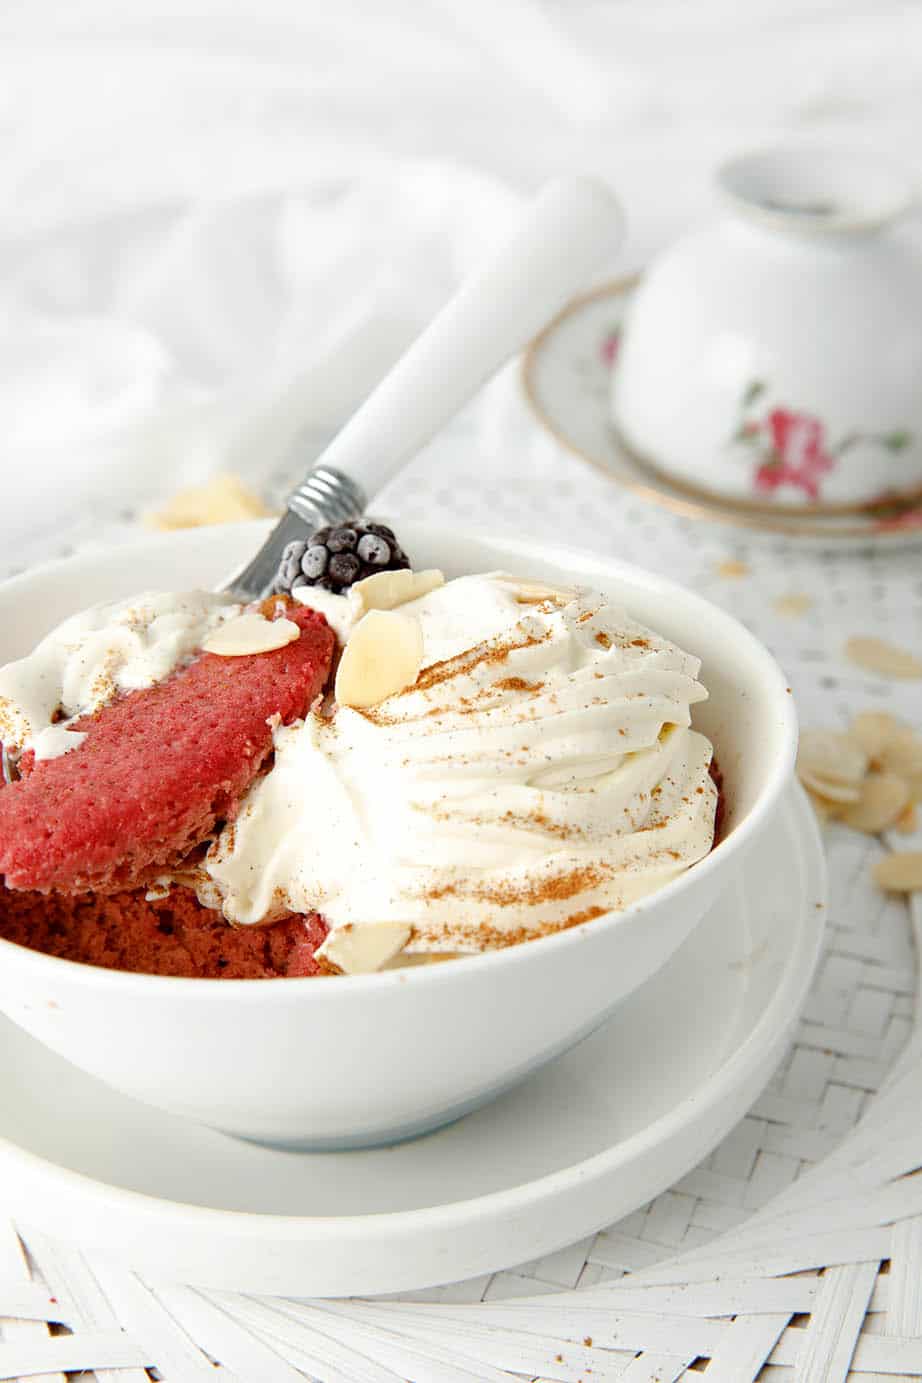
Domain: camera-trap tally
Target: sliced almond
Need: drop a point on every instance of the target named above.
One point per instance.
(907, 823)
(883, 797)
(732, 569)
(250, 633)
(914, 784)
(361, 948)
(792, 605)
(831, 756)
(902, 753)
(223, 499)
(886, 659)
(383, 656)
(900, 872)
(535, 592)
(873, 731)
(826, 810)
(838, 794)
(388, 589)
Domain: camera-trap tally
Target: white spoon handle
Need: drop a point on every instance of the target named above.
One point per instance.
(570, 227)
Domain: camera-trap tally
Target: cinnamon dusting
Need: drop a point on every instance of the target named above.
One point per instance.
(518, 684)
(487, 938)
(483, 654)
(557, 888)
(8, 719)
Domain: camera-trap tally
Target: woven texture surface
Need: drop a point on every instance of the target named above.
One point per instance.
(795, 1250)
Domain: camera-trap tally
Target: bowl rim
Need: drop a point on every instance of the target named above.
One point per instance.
(777, 778)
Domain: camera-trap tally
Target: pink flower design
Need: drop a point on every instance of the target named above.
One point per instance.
(790, 448)
(798, 454)
(798, 439)
(608, 350)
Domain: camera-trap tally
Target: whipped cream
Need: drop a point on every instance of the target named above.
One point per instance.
(340, 613)
(385, 590)
(91, 657)
(539, 772)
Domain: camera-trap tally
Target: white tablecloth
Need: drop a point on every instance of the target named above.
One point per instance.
(219, 223)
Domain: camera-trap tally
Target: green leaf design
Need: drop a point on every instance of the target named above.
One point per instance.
(753, 391)
(850, 440)
(745, 434)
(896, 441)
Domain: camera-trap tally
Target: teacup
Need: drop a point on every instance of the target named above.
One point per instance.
(774, 357)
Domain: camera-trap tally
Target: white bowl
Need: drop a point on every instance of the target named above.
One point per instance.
(368, 1059)
(774, 357)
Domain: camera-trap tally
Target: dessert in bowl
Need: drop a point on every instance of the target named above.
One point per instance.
(397, 828)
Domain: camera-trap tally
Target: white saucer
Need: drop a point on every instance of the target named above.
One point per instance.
(566, 373)
(585, 1141)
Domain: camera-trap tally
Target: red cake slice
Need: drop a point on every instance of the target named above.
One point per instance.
(174, 935)
(158, 768)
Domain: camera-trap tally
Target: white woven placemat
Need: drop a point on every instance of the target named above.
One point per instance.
(795, 1250)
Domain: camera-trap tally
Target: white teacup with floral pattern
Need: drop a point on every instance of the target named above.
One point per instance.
(775, 356)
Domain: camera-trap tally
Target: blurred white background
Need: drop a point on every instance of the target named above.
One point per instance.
(219, 221)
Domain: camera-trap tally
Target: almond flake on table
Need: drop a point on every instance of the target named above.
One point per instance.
(886, 659)
(792, 605)
(831, 757)
(902, 754)
(874, 730)
(824, 807)
(732, 569)
(833, 797)
(914, 783)
(223, 499)
(900, 872)
(884, 797)
(868, 778)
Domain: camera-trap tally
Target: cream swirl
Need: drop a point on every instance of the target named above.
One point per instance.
(93, 656)
(539, 772)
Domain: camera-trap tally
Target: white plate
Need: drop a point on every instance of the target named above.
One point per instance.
(566, 374)
(585, 1141)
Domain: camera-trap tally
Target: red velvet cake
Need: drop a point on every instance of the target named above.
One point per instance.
(159, 768)
(174, 935)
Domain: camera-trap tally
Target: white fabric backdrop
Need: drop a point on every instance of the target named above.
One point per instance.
(219, 222)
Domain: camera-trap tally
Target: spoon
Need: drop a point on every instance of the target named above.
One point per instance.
(569, 228)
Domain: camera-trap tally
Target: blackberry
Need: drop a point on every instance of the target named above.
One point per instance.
(334, 558)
